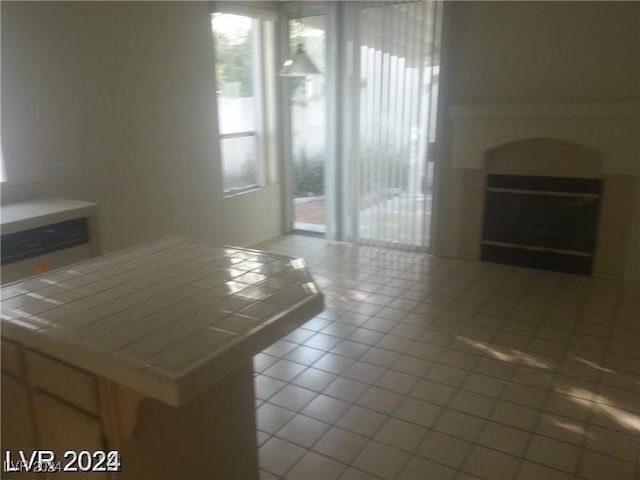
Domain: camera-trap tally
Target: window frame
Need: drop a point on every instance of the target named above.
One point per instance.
(262, 29)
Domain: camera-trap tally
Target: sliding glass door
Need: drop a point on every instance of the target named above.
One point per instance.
(361, 166)
(394, 83)
(308, 121)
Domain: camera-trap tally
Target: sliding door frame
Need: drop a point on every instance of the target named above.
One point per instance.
(343, 90)
(290, 11)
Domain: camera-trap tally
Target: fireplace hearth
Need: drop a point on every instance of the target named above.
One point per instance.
(541, 222)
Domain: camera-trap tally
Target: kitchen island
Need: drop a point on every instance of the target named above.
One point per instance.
(148, 351)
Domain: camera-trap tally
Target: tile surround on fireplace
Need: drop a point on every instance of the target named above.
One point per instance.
(562, 140)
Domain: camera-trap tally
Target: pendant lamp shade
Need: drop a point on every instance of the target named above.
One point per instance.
(298, 66)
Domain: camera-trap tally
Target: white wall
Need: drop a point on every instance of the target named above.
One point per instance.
(546, 52)
(114, 102)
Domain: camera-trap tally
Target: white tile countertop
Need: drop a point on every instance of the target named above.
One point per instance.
(167, 318)
(16, 217)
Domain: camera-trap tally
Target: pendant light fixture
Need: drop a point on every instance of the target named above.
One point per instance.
(300, 65)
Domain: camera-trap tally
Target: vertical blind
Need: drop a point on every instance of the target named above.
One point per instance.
(393, 91)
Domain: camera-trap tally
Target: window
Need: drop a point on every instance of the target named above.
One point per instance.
(240, 79)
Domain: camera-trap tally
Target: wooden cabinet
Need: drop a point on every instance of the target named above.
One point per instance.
(61, 380)
(18, 432)
(62, 427)
(48, 405)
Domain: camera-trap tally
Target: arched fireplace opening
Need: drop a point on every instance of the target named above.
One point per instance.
(542, 205)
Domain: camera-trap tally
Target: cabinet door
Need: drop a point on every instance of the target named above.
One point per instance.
(62, 427)
(17, 423)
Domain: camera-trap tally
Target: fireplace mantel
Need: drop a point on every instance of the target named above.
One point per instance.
(611, 128)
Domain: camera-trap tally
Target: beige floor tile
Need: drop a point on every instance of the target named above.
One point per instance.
(366, 336)
(382, 460)
(326, 409)
(418, 412)
(339, 330)
(411, 365)
(261, 437)
(524, 395)
(315, 467)
(595, 466)
(535, 372)
(484, 385)
(364, 372)
(420, 469)
(398, 382)
(361, 420)
(303, 431)
(280, 348)
(515, 415)
(459, 425)
(265, 386)
(379, 356)
(394, 343)
(299, 335)
(346, 389)
(277, 456)
(400, 434)
(467, 476)
(553, 453)
(293, 397)
(506, 439)
(472, 403)
(425, 351)
(314, 379)
(444, 449)
(495, 367)
(562, 428)
(567, 406)
(380, 400)
(284, 370)
(269, 418)
(445, 374)
(264, 475)
(350, 349)
(262, 361)
(322, 341)
(535, 471)
(530, 349)
(304, 355)
(491, 464)
(457, 359)
(620, 398)
(617, 444)
(353, 473)
(433, 392)
(333, 363)
(340, 444)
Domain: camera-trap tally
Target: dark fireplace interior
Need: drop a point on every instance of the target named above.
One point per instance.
(548, 223)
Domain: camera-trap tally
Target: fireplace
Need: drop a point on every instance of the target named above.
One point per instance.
(541, 222)
(591, 143)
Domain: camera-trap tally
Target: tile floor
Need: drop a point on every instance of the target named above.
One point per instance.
(429, 368)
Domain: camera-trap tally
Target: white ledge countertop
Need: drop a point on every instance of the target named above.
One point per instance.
(15, 217)
(167, 318)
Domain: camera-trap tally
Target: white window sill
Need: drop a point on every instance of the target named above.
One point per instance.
(241, 191)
